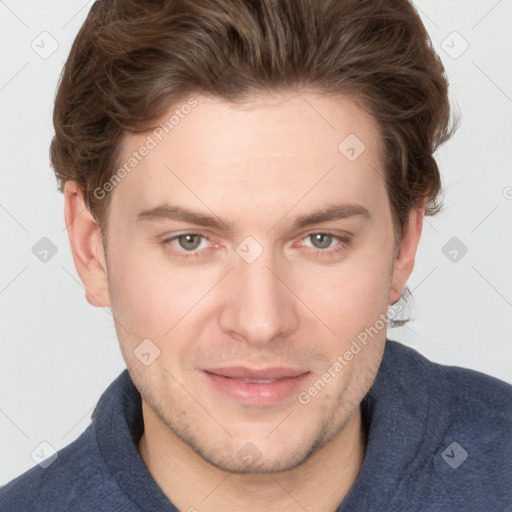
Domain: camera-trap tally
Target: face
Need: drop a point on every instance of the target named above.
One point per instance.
(251, 251)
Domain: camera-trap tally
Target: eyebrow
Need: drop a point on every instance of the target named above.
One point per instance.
(168, 212)
(332, 212)
(329, 213)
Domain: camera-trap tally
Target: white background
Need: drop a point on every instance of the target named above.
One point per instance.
(59, 353)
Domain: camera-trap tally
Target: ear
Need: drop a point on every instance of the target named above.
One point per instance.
(86, 246)
(404, 261)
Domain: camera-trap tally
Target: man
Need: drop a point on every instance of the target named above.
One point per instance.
(245, 185)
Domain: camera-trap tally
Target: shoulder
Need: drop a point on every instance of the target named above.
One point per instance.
(467, 393)
(75, 480)
(79, 479)
(469, 453)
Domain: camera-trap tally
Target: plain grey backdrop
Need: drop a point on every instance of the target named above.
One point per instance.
(59, 353)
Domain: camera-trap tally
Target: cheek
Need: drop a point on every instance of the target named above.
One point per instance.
(143, 295)
(157, 301)
(350, 296)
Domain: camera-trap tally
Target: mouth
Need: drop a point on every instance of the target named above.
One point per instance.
(252, 386)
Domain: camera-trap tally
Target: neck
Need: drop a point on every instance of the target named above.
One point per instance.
(320, 484)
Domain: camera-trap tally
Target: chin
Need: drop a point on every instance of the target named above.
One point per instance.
(260, 456)
(256, 464)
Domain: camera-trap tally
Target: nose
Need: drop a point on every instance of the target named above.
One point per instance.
(260, 306)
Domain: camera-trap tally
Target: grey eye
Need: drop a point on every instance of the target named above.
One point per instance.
(189, 242)
(321, 240)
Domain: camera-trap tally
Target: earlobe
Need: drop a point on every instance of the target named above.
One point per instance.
(404, 261)
(86, 246)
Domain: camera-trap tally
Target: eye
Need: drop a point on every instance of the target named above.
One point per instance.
(189, 241)
(321, 240)
(326, 244)
(187, 244)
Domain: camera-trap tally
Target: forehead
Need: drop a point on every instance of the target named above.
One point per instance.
(271, 150)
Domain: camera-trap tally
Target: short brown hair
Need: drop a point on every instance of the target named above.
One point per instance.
(132, 60)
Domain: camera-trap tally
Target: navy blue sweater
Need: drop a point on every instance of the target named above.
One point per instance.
(439, 440)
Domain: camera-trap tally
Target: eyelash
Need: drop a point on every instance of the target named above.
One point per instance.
(344, 242)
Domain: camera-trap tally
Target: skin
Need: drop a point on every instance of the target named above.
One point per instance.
(257, 166)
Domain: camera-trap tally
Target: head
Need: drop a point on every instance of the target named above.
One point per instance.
(245, 185)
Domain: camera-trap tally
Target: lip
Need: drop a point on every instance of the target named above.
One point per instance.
(244, 372)
(256, 386)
